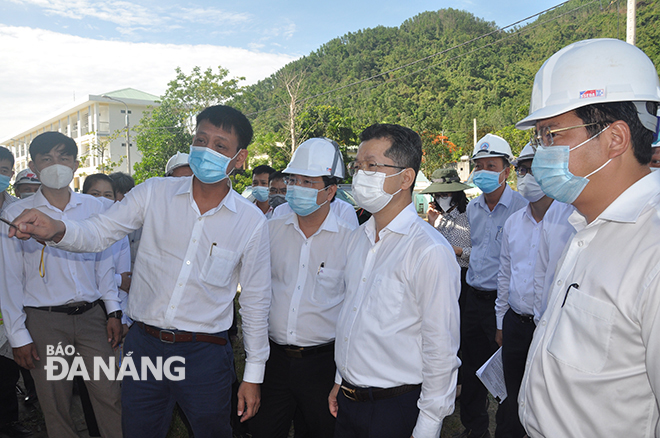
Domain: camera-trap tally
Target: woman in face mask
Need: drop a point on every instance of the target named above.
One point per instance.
(447, 212)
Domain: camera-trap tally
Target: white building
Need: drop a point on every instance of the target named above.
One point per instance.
(91, 123)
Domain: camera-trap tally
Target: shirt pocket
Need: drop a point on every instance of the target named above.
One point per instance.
(219, 267)
(385, 300)
(582, 336)
(328, 287)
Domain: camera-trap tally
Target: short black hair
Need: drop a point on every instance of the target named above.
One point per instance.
(406, 148)
(603, 114)
(6, 155)
(263, 169)
(46, 141)
(92, 179)
(121, 182)
(330, 181)
(275, 176)
(229, 119)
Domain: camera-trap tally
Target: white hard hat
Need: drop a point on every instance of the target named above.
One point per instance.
(527, 153)
(26, 176)
(594, 71)
(177, 160)
(317, 157)
(492, 145)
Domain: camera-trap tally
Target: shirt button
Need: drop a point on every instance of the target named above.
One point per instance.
(172, 307)
(364, 279)
(354, 309)
(298, 287)
(291, 332)
(303, 265)
(580, 243)
(187, 262)
(293, 310)
(543, 322)
(194, 240)
(180, 284)
(558, 282)
(199, 218)
(343, 368)
(345, 339)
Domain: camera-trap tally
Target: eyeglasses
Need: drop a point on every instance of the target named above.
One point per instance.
(303, 182)
(276, 191)
(368, 167)
(522, 171)
(545, 136)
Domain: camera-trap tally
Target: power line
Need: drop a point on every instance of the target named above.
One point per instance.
(498, 30)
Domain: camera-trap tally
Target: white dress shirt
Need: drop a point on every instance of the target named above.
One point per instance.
(486, 228)
(515, 280)
(342, 209)
(556, 232)
(307, 280)
(69, 277)
(593, 367)
(399, 324)
(189, 264)
(5, 348)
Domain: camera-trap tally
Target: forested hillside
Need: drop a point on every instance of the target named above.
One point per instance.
(472, 70)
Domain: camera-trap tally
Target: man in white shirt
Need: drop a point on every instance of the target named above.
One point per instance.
(487, 215)
(342, 209)
(593, 367)
(308, 258)
(200, 239)
(398, 329)
(514, 306)
(50, 297)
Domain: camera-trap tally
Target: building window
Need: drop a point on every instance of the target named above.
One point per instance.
(124, 112)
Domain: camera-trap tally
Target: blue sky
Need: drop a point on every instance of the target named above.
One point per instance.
(52, 50)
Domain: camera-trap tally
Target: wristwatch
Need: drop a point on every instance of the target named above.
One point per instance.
(116, 314)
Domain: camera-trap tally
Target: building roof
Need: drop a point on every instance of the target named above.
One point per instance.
(131, 93)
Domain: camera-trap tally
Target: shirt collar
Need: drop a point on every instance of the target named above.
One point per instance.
(329, 224)
(186, 188)
(505, 199)
(41, 201)
(401, 224)
(631, 203)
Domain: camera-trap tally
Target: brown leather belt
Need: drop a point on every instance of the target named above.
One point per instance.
(69, 309)
(171, 336)
(357, 394)
(301, 352)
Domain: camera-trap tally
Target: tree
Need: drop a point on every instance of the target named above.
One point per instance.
(169, 127)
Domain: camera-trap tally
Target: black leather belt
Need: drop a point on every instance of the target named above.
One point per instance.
(69, 309)
(174, 336)
(525, 319)
(358, 394)
(484, 294)
(301, 352)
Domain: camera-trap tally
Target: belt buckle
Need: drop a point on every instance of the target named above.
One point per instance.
(349, 393)
(74, 311)
(295, 353)
(160, 336)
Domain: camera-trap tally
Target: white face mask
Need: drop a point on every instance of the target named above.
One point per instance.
(529, 188)
(56, 176)
(444, 203)
(369, 193)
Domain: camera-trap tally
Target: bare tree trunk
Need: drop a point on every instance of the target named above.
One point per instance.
(293, 83)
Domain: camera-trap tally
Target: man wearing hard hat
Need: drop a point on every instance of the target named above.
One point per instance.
(487, 214)
(308, 258)
(514, 306)
(593, 367)
(26, 184)
(178, 165)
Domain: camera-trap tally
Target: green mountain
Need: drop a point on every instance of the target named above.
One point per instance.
(435, 73)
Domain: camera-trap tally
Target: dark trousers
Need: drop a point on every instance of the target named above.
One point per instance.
(461, 308)
(8, 399)
(516, 339)
(203, 395)
(389, 418)
(478, 344)
(295, 389)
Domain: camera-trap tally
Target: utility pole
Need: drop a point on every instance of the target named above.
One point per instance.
(128, 136)
(631, 32)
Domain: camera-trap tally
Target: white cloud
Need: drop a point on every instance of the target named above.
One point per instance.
(130, 17)
(41, 70)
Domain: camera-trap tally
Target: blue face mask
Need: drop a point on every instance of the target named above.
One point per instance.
(208, 165)
(260, 193)
(4, 182)
(302, 200)
(486, 180)
(550, 169)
